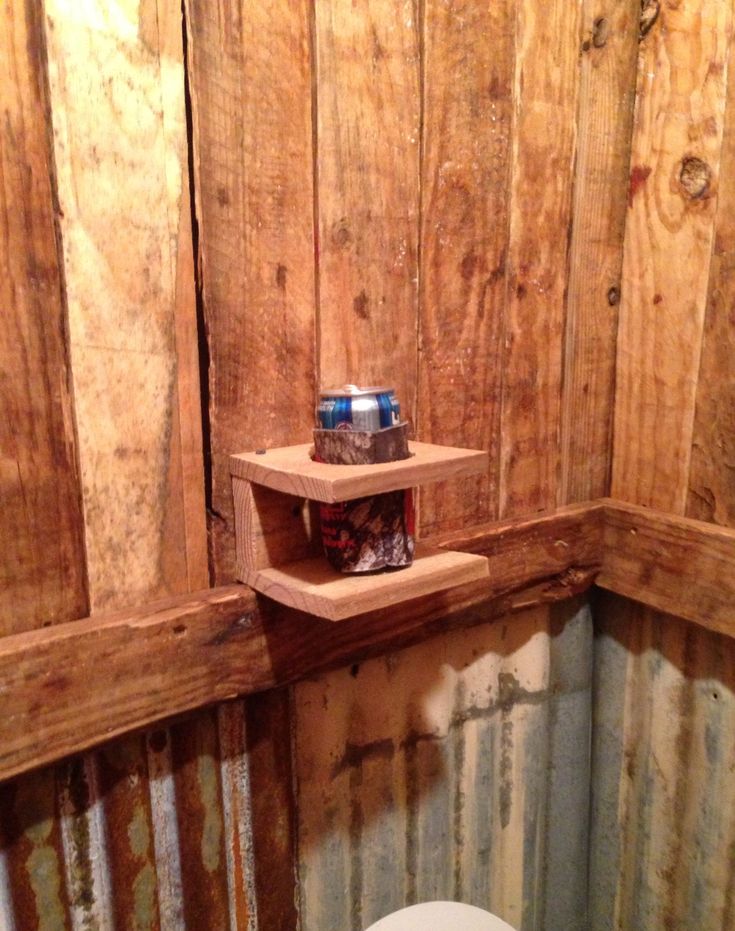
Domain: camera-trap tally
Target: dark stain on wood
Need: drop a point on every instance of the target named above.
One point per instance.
(650, 10)
(469, 265)
(281, 276)
(361, 305)
(600, 32)
(638, 176)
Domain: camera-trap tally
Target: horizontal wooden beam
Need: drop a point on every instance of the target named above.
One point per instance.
(69, 687)
(676, 565)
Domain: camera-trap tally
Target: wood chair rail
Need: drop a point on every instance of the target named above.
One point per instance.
(68, 687)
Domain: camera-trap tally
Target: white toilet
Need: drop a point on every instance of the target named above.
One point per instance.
(440, 916)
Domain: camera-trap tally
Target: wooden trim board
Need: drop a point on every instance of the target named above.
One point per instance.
(75, 685)
(675, 564)
(290, 469)
(72, 686)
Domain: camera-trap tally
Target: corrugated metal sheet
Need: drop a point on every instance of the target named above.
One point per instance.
(148, 833)
(458, 768)
(663, 824)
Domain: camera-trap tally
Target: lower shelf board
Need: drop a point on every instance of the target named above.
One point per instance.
(312, 585)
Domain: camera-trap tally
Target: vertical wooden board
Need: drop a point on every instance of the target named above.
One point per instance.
(250, 71)
(367, 138)
(42, 578)
(711, 493)
(545, 102)
(604, 128)
(117, 89)
(675, 169)
(466, 126)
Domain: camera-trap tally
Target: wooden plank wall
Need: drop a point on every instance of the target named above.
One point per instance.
(391, 187)
(102, 458)
(662, 827)
(451, 197)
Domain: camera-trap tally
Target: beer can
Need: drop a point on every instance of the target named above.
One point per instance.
(353, 408)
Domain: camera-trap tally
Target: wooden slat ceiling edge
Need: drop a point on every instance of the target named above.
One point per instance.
(71, 686)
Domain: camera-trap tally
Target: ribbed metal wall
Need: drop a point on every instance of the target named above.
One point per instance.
(148, 833)
(456, 769)
(663, 825)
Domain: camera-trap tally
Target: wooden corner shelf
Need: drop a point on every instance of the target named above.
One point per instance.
(312, 585)
(279, 553)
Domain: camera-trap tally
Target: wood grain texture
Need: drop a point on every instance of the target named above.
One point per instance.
(465, 171)
(367, 140)
(674, 564)
(42, 577)
(673, 194)
(291, 470)
(711, 492)
(250, 70)
(313, 586)
(604, 134)
(189, 651)
(271, 528)
(117, 88)
(545, 109)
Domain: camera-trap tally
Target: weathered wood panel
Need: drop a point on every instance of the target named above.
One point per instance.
(711, 490)
(545, 108)
(675, 176)
(42, 577)
(367, 187)
(117, 91)
(250, 70)
(116, 80)
(144, 665)
(670, 563)
(605, 122)
(251, 87)
(467, 109)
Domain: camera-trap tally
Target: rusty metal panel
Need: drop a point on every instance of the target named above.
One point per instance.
(150, 832)
(457, 768)
(663, 797)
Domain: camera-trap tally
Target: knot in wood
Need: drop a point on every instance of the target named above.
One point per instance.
(650, 10)
(600, 32)
(695, 176)
(613, 296)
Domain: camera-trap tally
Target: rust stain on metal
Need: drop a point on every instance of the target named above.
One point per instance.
(426, 775)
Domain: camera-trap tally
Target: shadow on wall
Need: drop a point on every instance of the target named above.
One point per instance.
(454, 769)
(663, 796)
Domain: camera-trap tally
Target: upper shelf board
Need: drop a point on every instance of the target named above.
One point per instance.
(291, 470)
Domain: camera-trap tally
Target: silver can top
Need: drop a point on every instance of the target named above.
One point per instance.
(352, 391)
